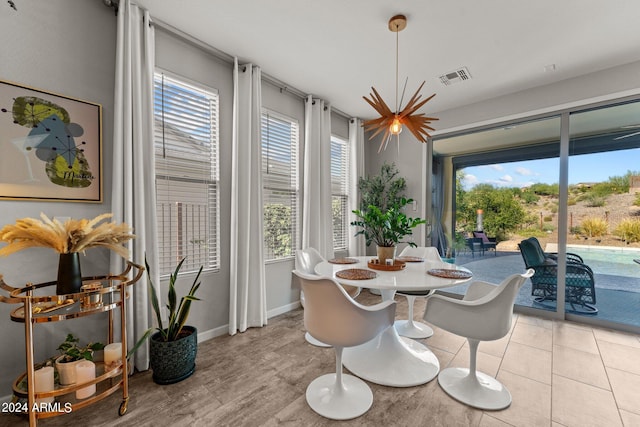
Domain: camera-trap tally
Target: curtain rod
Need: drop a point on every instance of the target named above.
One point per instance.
(223, 56)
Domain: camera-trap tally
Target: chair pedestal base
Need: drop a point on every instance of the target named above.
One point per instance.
(352, 400)
(483, 392)
(412, 329)
(311, 340)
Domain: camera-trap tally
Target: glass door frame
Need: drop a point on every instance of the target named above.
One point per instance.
(563, 178)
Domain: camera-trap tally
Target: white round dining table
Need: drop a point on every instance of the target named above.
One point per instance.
(390, 359)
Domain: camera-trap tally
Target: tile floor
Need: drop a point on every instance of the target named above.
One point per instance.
(559, 373)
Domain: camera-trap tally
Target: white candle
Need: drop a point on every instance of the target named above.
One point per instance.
(112, 355)
(44, 382)
(85, 372)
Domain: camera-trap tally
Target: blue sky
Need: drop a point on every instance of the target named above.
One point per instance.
(584, 168)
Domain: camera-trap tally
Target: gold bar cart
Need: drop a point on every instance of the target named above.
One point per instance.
(35, 309)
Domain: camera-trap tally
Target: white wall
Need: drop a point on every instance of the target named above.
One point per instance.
(410, 159)
(66, 47)
(612, 83)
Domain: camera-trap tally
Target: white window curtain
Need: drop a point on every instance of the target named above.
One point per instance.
(133, 186)
(357, 244)
(317, 220)
(247, 293)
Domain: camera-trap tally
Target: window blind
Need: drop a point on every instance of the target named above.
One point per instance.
(280, 185)
(340, 193)
(187, 174)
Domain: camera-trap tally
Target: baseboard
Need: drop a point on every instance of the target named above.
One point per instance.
(212, 333)
(224, 329)
(283, 309)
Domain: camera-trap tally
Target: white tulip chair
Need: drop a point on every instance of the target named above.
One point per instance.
(484, 314)
(306, 261)
(333, 317)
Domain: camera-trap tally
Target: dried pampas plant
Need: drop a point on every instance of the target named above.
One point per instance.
(75, 235)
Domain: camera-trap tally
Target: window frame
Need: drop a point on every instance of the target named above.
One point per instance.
(294, 189)
(345, 194)
(211, 260)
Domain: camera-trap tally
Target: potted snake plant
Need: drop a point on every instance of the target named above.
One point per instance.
(173, 345)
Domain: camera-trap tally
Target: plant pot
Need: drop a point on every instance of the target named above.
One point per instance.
(69, 275)
(66, 371)
(385, 253)
(173, 361)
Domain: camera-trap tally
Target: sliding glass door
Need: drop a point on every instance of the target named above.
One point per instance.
(570, 183)
(604, 207)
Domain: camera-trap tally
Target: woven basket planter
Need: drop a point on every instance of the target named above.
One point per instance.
(173, 361)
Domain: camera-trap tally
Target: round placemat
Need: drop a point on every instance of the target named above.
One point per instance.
(343, 261)
(449, 273)
(356, 274)
(409, 258)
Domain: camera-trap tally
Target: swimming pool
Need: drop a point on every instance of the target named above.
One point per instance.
(609, 260)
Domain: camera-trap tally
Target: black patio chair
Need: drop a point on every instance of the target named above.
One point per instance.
(474, 244)
(488, 243)
(580, 283)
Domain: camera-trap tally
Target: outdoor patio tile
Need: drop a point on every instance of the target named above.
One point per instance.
(578, 404)
(530, 362)
(617, 337)
(576, 338)
(580, 366)
(536, 321)
(531, 404)
(620, 357)
(626, 389)
(485, 363)
(534, 336)
(629, 419)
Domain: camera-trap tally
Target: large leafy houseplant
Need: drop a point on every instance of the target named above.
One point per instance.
(388, 228)
(382, 190)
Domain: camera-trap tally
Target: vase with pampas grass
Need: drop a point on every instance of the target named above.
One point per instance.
(69, 239)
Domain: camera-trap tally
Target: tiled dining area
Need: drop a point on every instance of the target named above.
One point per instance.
(559, 373)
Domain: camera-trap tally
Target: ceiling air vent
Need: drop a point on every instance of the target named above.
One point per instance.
(457, 76)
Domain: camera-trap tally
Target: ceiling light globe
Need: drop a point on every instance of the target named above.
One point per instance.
(395, 127)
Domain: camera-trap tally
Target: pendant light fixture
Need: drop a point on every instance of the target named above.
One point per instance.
(392, 122)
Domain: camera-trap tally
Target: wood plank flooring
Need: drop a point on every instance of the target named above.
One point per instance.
(559, 373)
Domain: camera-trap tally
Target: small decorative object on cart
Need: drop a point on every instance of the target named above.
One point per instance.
(85, 372)
(92, 297)
(112, 356)
(68, 239)
(72, 352)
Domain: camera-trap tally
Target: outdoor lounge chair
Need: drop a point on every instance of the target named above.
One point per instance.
(488, 243)
(580, 284)
(474, 244)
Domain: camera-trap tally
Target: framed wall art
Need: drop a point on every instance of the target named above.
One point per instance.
(50, 146)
